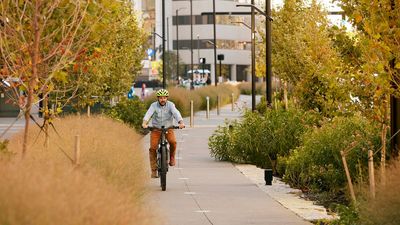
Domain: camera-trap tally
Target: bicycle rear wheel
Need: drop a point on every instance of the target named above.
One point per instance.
(164, 168)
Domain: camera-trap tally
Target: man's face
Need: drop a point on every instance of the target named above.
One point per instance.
(162, 100)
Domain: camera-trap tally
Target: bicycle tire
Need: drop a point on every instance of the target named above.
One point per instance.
(164, 168)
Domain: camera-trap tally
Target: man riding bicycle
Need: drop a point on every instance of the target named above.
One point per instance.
(162, 112)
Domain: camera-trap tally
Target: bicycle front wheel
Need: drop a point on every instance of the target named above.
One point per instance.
(164, 168)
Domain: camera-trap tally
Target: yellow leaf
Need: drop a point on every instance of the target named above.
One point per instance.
(59, 110)
(60, 76)
(397, 66)
(380, 67)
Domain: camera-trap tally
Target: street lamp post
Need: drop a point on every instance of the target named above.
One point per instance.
(177, 44)
(167, 34)
(191, 41)
(253, 60)
(163, 45)
(267, 48)
(198, 49)
(268, 52)
(215, 44)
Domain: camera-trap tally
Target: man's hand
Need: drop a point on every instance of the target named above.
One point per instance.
(144, 125)
(181, 125)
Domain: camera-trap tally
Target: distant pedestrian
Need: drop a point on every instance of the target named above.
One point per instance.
(143, 93)
(131, 93)
(208, 81)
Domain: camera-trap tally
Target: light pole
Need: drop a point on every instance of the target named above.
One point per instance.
(177, 44)
(167, 34)
(268, 53)
(268, 48)
(215, 44)
(253, 60)
(191, 41)
(253, 76)
(163, 45)
(198, 49)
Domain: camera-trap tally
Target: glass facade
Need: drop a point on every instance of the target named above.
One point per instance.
(208, 44)
(208, 19)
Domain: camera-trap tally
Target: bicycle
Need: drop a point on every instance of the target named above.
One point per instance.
(163, 155)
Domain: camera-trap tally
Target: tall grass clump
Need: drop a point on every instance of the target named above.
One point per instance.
(317, 165)
(181, 97)
(261, 138)
(245, 88)
(384, 208)
(107, 188)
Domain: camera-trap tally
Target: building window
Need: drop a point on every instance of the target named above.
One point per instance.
(208, 19)
(207, 44)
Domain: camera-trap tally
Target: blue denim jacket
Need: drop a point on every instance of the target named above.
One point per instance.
(162, 115)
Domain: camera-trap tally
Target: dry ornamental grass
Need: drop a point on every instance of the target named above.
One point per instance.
(107, 188)
(385, 208)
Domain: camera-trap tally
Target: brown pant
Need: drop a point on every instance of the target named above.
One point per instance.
(155, 136)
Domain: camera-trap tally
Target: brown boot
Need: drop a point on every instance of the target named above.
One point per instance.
(172, 158)
(153, 164)
(154, 174)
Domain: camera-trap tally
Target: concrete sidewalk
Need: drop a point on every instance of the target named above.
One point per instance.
(203, 191)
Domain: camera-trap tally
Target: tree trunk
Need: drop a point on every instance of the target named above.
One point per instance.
(34, 52)
(383, 141)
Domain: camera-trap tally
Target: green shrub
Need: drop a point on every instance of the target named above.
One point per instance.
(347, 215)
(317, 165)
(129, 111)
(260, 139)
(222, 141)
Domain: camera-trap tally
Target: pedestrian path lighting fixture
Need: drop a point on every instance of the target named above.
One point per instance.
(268, 176)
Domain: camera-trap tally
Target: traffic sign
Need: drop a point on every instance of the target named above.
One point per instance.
(150, 52)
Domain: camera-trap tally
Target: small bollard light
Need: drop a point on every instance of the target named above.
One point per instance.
(268, 176)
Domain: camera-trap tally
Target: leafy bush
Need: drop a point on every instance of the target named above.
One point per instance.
(222, 142)
(317, 163)
(347, 215)
(129, 111)
(260, 139)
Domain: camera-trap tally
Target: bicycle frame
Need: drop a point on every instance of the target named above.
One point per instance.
(163, 155)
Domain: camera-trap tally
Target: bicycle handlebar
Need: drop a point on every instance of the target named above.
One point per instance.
(161, 128)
